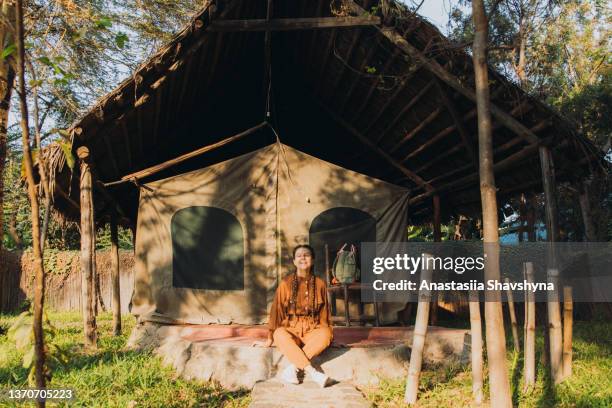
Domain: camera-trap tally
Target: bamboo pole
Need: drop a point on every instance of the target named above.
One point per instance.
(115, 276)
(87, 245)
(568, 320)
(513, 322)
(476, 352)
(530, 333)
(418, 340)
(552, 232)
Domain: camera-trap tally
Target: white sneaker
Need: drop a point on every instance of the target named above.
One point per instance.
(289, 375)
(318, 377)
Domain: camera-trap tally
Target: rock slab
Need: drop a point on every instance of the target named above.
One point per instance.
(276, 394)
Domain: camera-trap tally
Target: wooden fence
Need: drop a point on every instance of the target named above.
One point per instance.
(63, 282)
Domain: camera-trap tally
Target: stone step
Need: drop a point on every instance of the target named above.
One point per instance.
(276, 394)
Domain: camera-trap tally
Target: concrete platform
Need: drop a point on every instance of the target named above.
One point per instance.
(275, 394)
(359, 355)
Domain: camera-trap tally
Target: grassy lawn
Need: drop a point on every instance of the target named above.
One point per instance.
(115, 377)
(112, 376)
(590, 386)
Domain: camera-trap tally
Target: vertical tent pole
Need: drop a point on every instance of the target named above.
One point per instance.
(530, 334)
(115, 275)
(88, 298)
(568, 320)
(418, 338)
(552, 232)
(437, 237)
(476, 347)
(513, 322)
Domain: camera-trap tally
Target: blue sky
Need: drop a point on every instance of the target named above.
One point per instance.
(436, 11)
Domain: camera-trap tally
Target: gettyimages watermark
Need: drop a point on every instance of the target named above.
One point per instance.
(399, 271)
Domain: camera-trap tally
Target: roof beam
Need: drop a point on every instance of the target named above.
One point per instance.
(438, 70)
(290, 24)
(385, 156)
(430, 118)
(404, 110)
(435, 68)
(458, 121)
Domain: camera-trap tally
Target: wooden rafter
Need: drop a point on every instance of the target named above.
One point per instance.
(326, 55)
(410, 135)
(385, 156)
(362, 66)
(290, 24)
(375, 84)
(111, 155)
(458, 121)
(404, 110)
(355, 38)
(162, 166)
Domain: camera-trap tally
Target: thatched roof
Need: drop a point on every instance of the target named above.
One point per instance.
(370, 98)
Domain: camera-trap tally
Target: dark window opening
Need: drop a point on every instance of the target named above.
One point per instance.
(338, 226)
(207, 249)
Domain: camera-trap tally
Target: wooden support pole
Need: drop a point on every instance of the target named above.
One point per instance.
(476, 351)
(115, 276)
(162, 166)
(513, 322)
(530, 327)
(418, 340)
(88, 298)
(552, 235)
(568, 321)
(290, 24)
(437, 237)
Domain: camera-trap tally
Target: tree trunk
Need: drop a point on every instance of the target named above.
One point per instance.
(530, 333)
(568, 320)
(39, 272)
(495, 336)
(514, 324)
(552, 234)
(418, 341)
(522, 61)
(476, 335)
(585, 209)
(88, 298)
(7, 78)
(12, 229)
(115, 273)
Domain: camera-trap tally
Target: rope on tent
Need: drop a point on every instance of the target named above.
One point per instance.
(162, 166)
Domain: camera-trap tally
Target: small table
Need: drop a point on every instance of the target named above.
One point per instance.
(345, 289)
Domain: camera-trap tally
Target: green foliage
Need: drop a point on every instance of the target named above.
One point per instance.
(8, 51)
(22, 335)
(113, 376)
(450, 385)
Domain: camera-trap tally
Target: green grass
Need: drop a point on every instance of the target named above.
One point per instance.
(590, 385)
(112, 376)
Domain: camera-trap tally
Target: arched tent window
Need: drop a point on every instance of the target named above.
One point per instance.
(207, 249)
(336, 227)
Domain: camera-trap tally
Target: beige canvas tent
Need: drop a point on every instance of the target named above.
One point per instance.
(213, 243)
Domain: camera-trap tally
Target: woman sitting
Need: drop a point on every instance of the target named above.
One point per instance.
(299, 320)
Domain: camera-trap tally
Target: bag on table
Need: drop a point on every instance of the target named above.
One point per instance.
(345, 269)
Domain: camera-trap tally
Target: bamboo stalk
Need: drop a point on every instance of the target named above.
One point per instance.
(115, 275)
(568, 320)
(530, 334)
(418, 341)
(513, 322)
(476, 352)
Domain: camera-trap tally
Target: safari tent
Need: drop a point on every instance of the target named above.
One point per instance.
(254, 122)
(212, 244)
